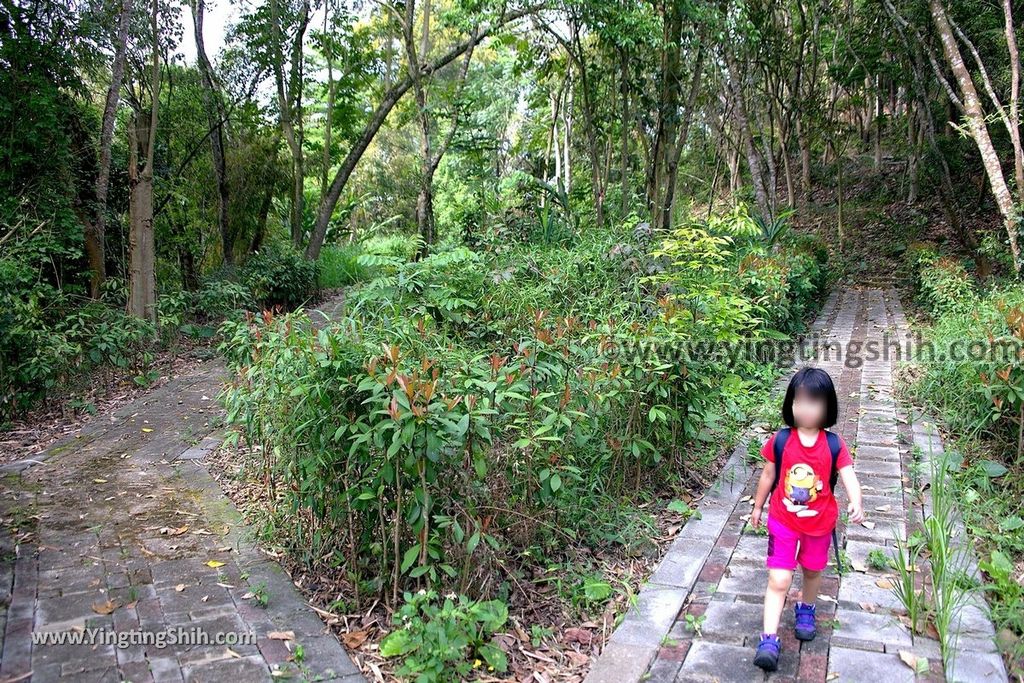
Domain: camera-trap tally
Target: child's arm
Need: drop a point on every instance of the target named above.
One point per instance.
(852, 486)
(763, 484)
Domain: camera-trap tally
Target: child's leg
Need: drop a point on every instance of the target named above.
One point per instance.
(811, 586)
(779, 581)
(781, 563)
(813, 558)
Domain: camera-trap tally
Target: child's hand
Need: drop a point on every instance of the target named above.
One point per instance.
(856, 511)
(755, 517)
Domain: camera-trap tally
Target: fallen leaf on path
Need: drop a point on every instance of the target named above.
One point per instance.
(281, 635)
(859, 566)
(99, 481)
(868, 607)
(917, 664)
(578, 635)
(884, 583)
(868, 525)
(215, 563)
(232, 653)
(180, 587)
(105, 607)
(147, 429)
(353, 639)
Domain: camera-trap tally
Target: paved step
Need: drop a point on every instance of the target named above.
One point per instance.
(132, 535)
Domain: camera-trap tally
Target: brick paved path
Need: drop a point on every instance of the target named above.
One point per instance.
(130, 532)
(714, 571)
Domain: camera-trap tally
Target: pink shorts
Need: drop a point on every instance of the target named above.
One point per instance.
(787, 547)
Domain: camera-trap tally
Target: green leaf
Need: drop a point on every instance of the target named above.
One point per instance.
(1011, 523)
(410, 556)
(396, 643)
(993, 469)
(474, 541)
(556, 482)
(679, 506)
(596, 589)
(494, 657)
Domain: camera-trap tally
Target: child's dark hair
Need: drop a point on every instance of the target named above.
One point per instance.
(818, 384)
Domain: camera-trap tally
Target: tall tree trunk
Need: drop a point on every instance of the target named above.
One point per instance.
(329, 114)
(214, 105)
(914, 137)
(683, 134)
(95, 234)
(670, 80)
(743, 123)
(805, 157)
(289, 101)
(625, 127)
(979, 131)
(425, 219)
(1013, 123)
(142, 285)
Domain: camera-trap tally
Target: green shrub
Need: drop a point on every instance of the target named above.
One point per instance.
(280, 276)
(44, 346)
(540, 377)
(942, 283)
(445, 642)
(399, 246)
(218, 298)
(340, 266)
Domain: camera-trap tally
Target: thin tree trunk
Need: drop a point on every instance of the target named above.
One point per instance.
(215, 115)
(142, 286)
(672, 174)
(329, 114)
(95, 233)
(1014, 115)
(914, 137)
(624, 133)
(289, 102)
(979, 131)
(743, 122)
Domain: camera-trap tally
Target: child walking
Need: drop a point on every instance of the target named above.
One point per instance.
(800, 472)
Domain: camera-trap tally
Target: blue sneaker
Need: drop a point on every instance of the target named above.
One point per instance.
(804, 621)
(767, 655)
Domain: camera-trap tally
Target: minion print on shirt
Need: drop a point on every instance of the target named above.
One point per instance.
(802, 487)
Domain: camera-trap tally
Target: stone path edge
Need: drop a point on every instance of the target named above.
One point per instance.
(632, 647)
(635, 642)
(975, 655)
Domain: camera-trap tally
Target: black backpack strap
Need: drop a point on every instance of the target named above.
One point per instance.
(834, 446)
(781, 437)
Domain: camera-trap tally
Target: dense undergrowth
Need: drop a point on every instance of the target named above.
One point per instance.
(54, 339)
(980, 397)
(479, 416)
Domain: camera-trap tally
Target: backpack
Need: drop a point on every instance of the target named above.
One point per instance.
(834, 446)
